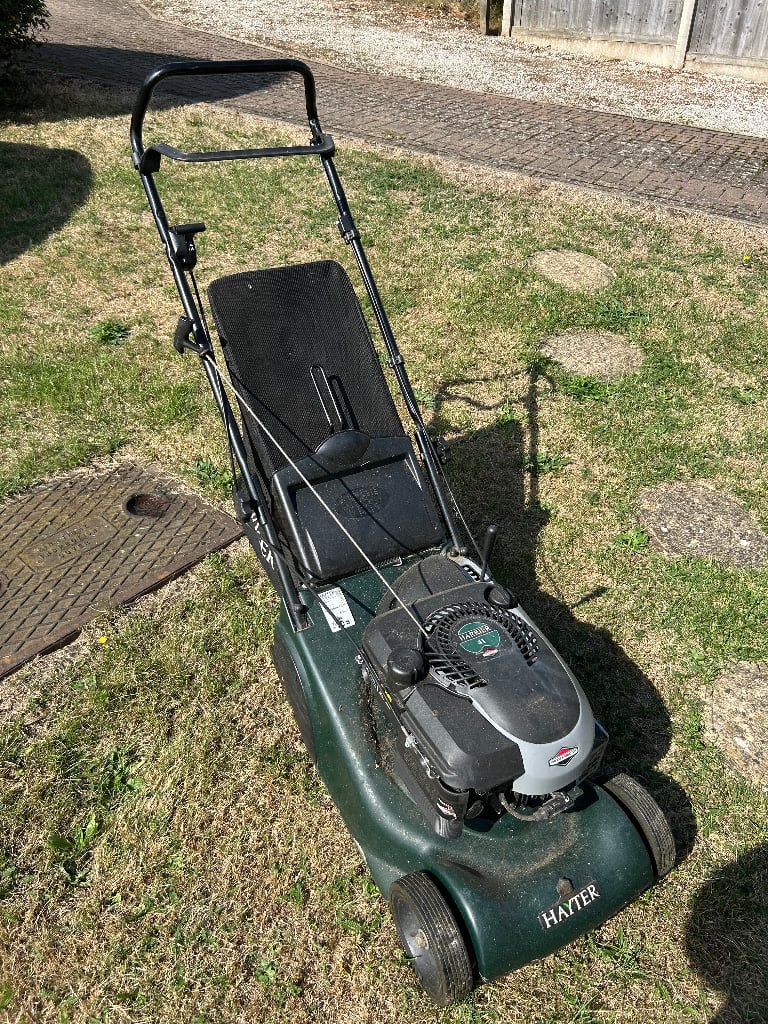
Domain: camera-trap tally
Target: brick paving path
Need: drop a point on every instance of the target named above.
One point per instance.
(118, 42)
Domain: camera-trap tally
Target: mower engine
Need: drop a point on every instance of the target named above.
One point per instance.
(475, 714)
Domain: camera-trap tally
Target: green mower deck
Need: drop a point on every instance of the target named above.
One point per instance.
(521, 890)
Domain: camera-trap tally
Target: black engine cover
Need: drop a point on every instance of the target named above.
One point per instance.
(463, 747)
(476, 708)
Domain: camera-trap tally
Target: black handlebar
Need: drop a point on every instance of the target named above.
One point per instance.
(148, 161)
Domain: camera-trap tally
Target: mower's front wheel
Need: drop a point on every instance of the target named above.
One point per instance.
(431, 938)
(648, 817)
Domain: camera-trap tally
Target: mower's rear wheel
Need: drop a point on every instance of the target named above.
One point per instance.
(291, 681)
(647, 816)
(431, 938)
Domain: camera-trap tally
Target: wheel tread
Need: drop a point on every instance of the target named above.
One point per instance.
(649, 817)
(440, 923)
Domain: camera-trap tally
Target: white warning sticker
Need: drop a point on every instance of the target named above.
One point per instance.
(337, 612)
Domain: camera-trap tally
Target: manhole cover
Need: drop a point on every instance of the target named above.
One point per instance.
(152, 505)
(598, 354)
(697, 521)
(89, 542)
(737, 719)
(572, 269)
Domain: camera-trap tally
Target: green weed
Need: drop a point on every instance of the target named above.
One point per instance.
(624, 954)
(427, 399)
(546, 462)
(72, 851)
(9, 874)
(110, 332)
(586, 388)
(507, 418)
(745, 395)
(635, 539)
(116, 777)
(215, 478)
(268, 974)
(692, 725)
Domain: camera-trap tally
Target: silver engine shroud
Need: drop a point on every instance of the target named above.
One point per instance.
(516, 680)
(481, 696)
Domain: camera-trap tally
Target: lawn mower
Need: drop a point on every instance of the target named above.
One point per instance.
(459, 748)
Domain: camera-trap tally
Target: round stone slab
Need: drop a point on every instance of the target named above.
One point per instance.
(598, 354)
(572, 269)
(695, 520)
(736, 719)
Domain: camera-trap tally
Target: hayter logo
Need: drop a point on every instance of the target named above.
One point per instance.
(569, 905)
(563, 757)
(479, 638)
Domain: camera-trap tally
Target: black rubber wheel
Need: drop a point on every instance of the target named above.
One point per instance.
(289, 677)
(647, 816)
(431, 939)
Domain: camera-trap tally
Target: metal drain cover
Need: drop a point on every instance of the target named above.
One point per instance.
(89, 542)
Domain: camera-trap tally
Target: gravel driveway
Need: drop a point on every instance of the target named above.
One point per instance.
(387, 38)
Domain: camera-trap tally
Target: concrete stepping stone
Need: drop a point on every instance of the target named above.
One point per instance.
(571, 269)
(695, 520)
(736, 719)
(600, 354)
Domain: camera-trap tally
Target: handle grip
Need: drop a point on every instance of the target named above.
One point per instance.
(145, 161)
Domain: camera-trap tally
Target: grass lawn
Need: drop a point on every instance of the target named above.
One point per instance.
(167, 853)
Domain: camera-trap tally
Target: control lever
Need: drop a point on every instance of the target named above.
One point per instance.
(182, 242)
(490, 539)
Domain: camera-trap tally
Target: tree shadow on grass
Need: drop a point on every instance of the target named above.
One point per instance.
(494, 475)
(40, 188)
(122, 71)
(727, 937)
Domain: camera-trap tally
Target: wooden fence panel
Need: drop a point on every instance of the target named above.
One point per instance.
(651, 21)
(730, 28)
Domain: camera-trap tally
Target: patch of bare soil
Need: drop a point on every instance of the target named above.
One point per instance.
(737, 719)
(600, 354)
(696, 520)
(14, 699)
(575, 270)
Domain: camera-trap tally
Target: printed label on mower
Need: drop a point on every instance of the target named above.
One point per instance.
(479, 638)
(337, 612)
(569, 905)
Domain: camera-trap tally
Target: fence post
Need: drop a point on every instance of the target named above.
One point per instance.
(506, 18)
(684, 34)
(485, 16)
(507, 12)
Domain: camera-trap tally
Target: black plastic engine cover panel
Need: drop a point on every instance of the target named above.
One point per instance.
(464, 748)
(512, 673)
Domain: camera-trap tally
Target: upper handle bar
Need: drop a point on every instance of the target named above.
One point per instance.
(149, 160)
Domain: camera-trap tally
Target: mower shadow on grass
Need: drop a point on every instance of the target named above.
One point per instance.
(40, 188)
(727, 936)
(493, 474)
